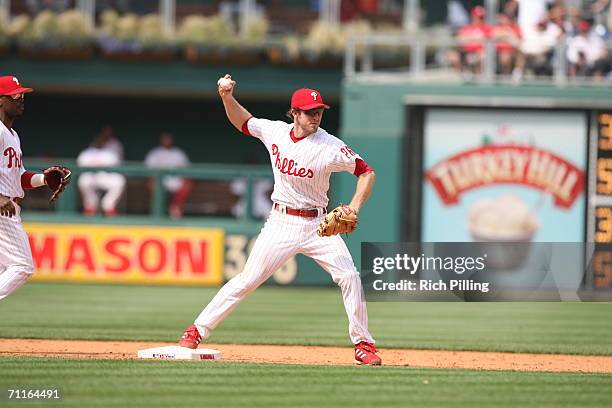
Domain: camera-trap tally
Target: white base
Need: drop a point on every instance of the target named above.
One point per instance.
(179, 353)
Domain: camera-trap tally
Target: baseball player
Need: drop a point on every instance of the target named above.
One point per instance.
(303, 156)
(16, 264)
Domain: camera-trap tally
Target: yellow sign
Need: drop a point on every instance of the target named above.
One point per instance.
(127, 254)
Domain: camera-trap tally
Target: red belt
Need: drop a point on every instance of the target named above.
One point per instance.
(300, 213)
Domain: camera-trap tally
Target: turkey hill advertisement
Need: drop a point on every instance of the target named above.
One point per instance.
(504, 175)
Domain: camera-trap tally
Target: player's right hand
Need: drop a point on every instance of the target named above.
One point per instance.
(225, 85)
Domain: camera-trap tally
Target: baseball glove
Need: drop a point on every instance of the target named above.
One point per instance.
(341, 220)
(57, 178)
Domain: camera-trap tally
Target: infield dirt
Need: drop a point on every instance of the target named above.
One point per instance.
(312, 355)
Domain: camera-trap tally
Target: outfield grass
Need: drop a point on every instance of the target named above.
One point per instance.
(303, 316)
(106, 383)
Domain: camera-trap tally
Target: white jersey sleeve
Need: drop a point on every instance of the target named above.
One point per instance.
(263, 129)
(343, 158)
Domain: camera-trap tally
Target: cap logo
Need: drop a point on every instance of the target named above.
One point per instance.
(16, 80)
(314, 95)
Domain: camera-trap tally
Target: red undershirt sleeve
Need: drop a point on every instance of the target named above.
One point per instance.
(245, 127)
(26, 180)
(361, 167)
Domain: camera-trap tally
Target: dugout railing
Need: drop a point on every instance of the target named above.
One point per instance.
(139, 176)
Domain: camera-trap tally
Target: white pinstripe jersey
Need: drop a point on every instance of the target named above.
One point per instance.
(11, 163)
(302, 168)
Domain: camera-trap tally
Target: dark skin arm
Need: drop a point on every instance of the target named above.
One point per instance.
(7, 208)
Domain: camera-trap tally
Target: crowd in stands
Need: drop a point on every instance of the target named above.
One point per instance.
(527, 34)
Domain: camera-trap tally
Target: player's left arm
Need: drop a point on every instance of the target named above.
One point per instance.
(31, 180)
(345, 159)
(56, 178)
(365, 184)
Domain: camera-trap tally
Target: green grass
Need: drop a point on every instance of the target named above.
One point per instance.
(91, 383)
(303, 316)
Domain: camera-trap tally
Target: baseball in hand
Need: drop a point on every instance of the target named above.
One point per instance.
(224, 82)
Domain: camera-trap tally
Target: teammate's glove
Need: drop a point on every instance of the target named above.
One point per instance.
(341, 220)
(57, 178)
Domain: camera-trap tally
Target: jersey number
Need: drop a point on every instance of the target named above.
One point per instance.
(347, 152)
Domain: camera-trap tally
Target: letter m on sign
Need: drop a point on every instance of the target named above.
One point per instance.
(43, 250)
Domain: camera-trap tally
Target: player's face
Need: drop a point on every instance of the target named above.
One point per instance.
(310, 120)
(13, 105)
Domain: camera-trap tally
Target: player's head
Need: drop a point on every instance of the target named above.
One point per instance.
(307, 109)
(12, 96)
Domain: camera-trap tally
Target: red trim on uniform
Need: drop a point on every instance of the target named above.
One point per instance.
(292, 136)
(26, 180)
(361, 167)
(245, 127)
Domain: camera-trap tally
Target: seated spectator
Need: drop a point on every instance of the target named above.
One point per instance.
(472, 38)
(558, 16)
(112, 143)
(507, 38)
(587, 53)
(168, 156)
(91, 183)
(537, 49)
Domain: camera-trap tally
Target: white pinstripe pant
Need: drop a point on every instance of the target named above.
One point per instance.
(282, 237)
(16, 264)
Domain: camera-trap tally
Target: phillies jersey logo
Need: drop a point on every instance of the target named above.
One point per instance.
(14, 159)
(289, 166)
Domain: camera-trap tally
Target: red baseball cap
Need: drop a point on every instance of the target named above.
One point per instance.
(306, 99)
(479, 11)
(9, 85)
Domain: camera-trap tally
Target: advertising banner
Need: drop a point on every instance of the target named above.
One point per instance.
(504, 175)
(127, 254)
